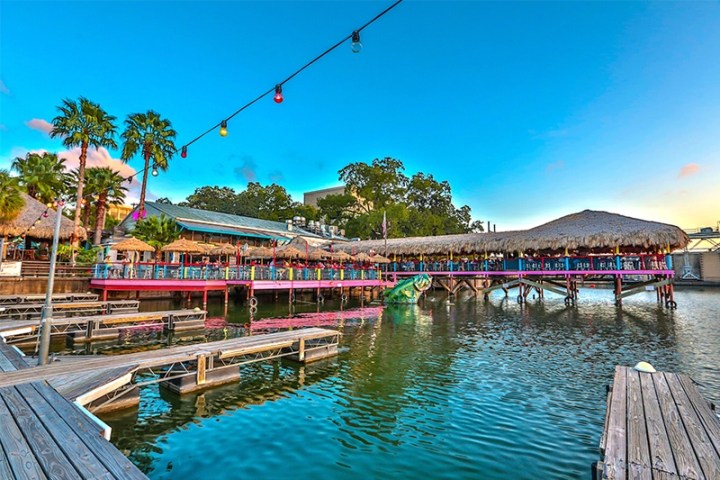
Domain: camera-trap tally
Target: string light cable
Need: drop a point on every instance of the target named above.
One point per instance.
(356, 47)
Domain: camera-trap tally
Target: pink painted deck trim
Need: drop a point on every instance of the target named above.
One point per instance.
(530, 273)
(294, 284)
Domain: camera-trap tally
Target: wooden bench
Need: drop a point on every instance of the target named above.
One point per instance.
(658, 426)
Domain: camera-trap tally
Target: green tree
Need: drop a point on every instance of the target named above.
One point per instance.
(153, 137)
(164, 201)
(215, 199)
(83, 124)
(338, 209)
(157, 232)
(11, 199)
(380, 184)
(43, 176)
(106, 185)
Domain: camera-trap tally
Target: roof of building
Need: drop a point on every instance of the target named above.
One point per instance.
(33, 212)
(586, 230)
(198, 220)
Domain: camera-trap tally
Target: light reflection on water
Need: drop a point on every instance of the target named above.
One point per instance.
(471, 389)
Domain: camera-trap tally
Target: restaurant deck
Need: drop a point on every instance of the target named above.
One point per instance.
(658, 426)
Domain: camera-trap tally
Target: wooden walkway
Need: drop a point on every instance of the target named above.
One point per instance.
(658, 427)
(44, 436)
(56, 298)
(102, 327)
(67, 309)
(191, 367)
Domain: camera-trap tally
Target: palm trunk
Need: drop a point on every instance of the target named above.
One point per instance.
(81, 182)
(141, 206)
(100, 218)
(86, 214)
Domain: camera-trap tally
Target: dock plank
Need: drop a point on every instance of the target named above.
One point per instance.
(700, 440)
(682, 449)
(69, 442)
(20, 457)
(660, 451)
(639, 461)
(54, 464)
(111, 458)
(616, 440)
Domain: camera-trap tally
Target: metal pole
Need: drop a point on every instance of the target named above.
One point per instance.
(47, 311)
(2, 250)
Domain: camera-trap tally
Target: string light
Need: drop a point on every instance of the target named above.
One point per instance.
(356, 46)
(183, 152)
(154, 171)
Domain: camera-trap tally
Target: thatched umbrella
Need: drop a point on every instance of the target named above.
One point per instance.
(182, 245)
(223, 249)
(363, 257)
(44, 228)
(260, 252)
(317, 254)
(132, 244)
(379, 259)
(289, 252)
(340, 256)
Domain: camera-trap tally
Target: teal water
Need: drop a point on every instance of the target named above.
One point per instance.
(473, 389)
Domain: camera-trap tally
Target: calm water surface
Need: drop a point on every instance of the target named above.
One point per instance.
(473, 389)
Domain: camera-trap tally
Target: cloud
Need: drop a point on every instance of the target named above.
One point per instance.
(276, 176)
(246, 170)
(102, 158)
(3, 88)
(40, 125)
(688, 170)
(551, 167)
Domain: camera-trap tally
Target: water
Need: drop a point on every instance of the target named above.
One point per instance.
(491, 390)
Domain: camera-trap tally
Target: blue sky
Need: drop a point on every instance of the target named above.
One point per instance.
(530, 110)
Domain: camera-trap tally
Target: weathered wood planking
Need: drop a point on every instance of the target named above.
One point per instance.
(44, 436)
(662, 430)
(166, 356)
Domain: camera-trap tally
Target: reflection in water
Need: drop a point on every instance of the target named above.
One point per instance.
(471, 389)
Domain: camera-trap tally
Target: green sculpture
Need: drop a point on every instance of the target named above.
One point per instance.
(408, 290)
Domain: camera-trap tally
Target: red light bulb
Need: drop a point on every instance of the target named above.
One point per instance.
(183, 152)
(278, 94)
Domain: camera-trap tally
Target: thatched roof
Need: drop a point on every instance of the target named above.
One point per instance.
(289, 251)
(587, 230)
(132, 244)
(44, 229)
(224, 249)
(183, 246)
(259, 252)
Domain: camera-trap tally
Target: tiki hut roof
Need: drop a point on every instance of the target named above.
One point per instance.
(224, 249)
(32, 211)
(132, 244)
(586, 230)
(380, 259)
(601, 230)
(289, 252)
(183, 246)
(259, 252)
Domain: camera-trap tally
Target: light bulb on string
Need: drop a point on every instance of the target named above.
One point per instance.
(183, 152)
(356, 46)
(278, 94)
(130, 179)
(45, 214)
(223, 128)
(154, 171)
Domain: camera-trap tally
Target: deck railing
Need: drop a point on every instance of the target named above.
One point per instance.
(599, 263)
(175, 271)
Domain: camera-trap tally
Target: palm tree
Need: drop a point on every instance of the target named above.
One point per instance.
(155, 136)
(157, 232)
(83, 124)
(43, 176)
(106, 185)
(11, 199)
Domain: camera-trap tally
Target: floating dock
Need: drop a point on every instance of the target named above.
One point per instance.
(56, 298)
(102, 327)
(45, 436)
(658, 426)
(20, 311)
(112, 381)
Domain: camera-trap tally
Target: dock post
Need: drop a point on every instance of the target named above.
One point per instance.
(205, 299)
(301, 350)
(226, 295)
(104, 295)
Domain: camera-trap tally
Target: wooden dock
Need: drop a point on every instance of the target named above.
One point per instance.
(658, 426)
(56, 298)
(45, 436)
(102, 327)
(21, 311)
(103, 380)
